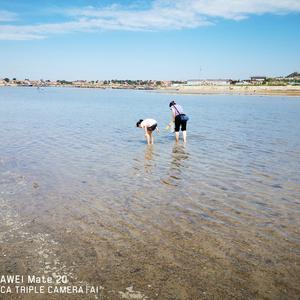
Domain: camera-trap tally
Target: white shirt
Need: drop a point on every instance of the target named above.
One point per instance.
(148, 123)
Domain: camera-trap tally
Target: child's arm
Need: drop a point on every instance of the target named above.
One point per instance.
(145, 129)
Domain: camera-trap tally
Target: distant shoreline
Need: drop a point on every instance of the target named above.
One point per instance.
(197, 90)
(236, 90)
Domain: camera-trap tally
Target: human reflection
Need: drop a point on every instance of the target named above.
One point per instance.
(149, 158)
(178, 157)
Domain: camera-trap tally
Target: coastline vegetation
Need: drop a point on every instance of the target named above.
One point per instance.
(292, 79)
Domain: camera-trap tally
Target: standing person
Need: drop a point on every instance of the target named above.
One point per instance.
(149, 125)
(180, 120)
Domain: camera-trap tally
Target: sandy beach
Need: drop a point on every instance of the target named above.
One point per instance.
(238, 90)
(289, 90)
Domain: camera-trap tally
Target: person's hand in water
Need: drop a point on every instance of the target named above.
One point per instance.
(169, 126)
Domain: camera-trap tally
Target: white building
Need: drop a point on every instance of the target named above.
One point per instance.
(258, 78)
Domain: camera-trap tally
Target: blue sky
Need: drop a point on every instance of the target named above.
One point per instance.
(159, 39)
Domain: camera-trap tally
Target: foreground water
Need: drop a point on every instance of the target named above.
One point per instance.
(82, 195)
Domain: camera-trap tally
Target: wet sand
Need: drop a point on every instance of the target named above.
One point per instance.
(140, 250)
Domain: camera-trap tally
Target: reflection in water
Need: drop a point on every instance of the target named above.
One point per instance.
(149, 158)
(178, 158)
(179, 155)
(146, 162)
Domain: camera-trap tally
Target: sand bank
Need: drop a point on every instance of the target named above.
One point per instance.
(247, 90)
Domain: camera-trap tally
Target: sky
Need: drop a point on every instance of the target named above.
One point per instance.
(143, 39)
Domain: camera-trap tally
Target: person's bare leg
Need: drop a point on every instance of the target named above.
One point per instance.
(177, 136)
(184, 135)
(147, 137)
(151, 140)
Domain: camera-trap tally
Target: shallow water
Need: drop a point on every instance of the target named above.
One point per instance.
(83, 195)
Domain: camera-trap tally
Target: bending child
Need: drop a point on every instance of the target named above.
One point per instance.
(149, 125)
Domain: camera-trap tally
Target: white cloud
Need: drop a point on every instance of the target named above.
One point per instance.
(161, 15)
(7, 16)
(238, 9)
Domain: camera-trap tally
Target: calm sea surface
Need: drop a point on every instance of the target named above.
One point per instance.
(82, 195)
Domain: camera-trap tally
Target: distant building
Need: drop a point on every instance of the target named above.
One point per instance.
(194, 82)
(178, 84)
(166, 83)
(258, 78)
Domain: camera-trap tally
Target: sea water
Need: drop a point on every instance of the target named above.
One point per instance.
(83, 196)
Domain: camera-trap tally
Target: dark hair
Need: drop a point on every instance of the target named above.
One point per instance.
(172, 103)
(139, 122)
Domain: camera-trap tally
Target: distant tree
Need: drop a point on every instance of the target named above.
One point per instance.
(233, 81)
(14, 79)
(178, 82)
(64, 82)
(6, 79)
(294, 74)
